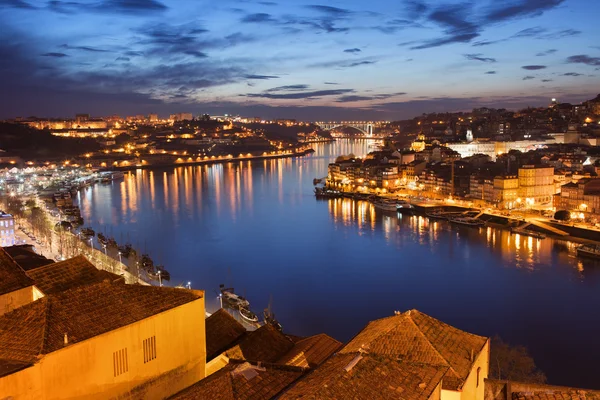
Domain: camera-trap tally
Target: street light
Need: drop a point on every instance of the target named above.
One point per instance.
(189, 285)
(159, 279)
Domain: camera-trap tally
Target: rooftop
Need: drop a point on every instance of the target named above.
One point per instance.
(418, 338)
(310, 352)
(222, 330)
(26, 257)
(265, 344)
(79, 314)
(364, 376)
(68, 274)
(12, 276)
(242, 381)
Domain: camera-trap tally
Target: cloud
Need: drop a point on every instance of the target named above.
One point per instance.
(329, 10)
(571, 74)
(490, 73)
(359, 63)
(584, 59)
(122, 59)
(84, 48)
(300, 95)
(518, 9)
(528, 77)
(353, 98)
(416, 9)
(260, 77)
(478, 57)
(453, 19)
(546, 80)
(258, 18)
(16, 4)
(57, 55)
(354, 50)
(533, 67)
(546, 53)
(287, 88)
(133, 6)
(331, 83)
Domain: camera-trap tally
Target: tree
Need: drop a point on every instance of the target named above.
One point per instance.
(513, 363)
(562, 215)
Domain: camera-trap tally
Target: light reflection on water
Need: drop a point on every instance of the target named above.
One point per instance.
(332, 265)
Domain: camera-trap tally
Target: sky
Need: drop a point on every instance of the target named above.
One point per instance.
(310, 60)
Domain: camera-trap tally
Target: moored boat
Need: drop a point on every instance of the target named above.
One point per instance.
(527, 232)
(469, 221)
(248, 315)
(385, 204)
(403, 206)
(102, 239)
(589, 250)
(232, 299)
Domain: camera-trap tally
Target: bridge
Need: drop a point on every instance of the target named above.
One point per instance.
(366, 127)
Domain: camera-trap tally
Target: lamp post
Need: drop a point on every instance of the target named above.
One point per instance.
(189, 285)
(159, 279)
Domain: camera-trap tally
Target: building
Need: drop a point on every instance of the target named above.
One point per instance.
(90, 335)
(536, 185)
(511, 390)
(7, 229)
(583, 196)
(406, 356)
(181, 117)
(506, 192)
(493, 148)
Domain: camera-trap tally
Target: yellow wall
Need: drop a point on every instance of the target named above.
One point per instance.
(216, 364)
(450, 395)
(471, 390)
(437, 393)
(86, 370)
(18, 298)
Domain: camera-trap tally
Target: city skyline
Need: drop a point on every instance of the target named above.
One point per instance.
(301, 59)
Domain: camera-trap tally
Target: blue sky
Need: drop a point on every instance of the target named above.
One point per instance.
(297, 59)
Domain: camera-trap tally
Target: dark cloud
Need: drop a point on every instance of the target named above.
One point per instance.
(533, 67)
(584, 59)
(490, 73)
(195, 53)
(353, 98)
(416, 9)
(517, 9)
(288, 88)
(329, 10)
(258, 18)
(260, 77)
(300, 95)
(546, 80)
(457, 28)
(395, 25)
(57, 55)
(331, 83)
(546, 53)
(132, 53)
(359, 63)
(122, 59)
(84, 48)
(130, 7)
(528, 77)
(354, 50)
(530, 32)
(15, 4)
(572, 74)
(479, 57)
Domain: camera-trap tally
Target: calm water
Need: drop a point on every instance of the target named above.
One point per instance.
(332, 266)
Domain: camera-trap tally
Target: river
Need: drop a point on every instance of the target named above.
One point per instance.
(333, 265)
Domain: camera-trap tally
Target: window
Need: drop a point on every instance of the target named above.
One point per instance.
(120, 363)
(149, 349)
(478, 370)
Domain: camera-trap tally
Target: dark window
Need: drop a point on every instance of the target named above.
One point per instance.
(478, 370)
(120, 363)
(149, 349)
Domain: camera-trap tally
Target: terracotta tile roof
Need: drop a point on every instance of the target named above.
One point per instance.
(564, 394)
(368, 376)
(68, 274)
(12, 277)
(265, 344)
(417, 337)
(26, 257)
(39, 328)
(242, 381)
(222, 330)
(310, 352)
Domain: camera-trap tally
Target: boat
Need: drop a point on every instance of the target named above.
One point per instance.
(232, 299)
(385, 204)
(527, 232)
(270, 320)
(589, 250)
(469, 221)
(248, 315)
(329, 193)
(437, 215)
(403, 206)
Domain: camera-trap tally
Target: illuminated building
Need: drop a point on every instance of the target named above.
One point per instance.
(536, 184)
(7, 229)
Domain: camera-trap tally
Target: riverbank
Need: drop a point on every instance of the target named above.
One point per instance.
(211, 161)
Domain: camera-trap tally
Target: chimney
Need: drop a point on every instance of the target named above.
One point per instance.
(66, 339)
